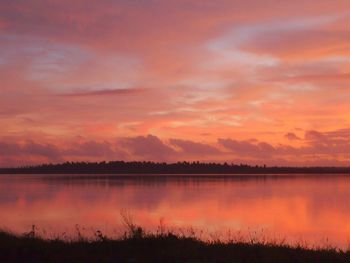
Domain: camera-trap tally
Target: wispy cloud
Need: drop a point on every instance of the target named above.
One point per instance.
(104, 92)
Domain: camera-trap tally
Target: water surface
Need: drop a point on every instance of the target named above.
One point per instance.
(310, 208)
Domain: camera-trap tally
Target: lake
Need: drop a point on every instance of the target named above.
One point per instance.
(299, 208)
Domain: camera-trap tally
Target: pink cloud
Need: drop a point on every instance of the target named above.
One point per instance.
(291, 136)
(101, 150)
(316, 148)
(16, 154)
(247, 148)
(148, 147)
(195, 148)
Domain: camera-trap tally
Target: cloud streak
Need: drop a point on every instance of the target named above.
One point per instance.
(104, 92)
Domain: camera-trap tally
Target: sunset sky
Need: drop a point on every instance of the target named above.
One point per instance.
(258, 82)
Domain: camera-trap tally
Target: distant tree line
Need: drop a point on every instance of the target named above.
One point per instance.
(122, 167)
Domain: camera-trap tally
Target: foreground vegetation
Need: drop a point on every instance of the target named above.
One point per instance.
(160, 247)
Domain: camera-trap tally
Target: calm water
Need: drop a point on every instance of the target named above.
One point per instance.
(315, 209)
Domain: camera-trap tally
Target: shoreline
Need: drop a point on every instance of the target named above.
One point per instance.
(137, 246)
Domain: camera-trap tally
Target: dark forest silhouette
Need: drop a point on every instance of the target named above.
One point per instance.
(122, 167)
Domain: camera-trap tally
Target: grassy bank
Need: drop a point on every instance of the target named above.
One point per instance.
(155, 248)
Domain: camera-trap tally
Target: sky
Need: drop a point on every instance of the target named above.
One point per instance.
(242, 81)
